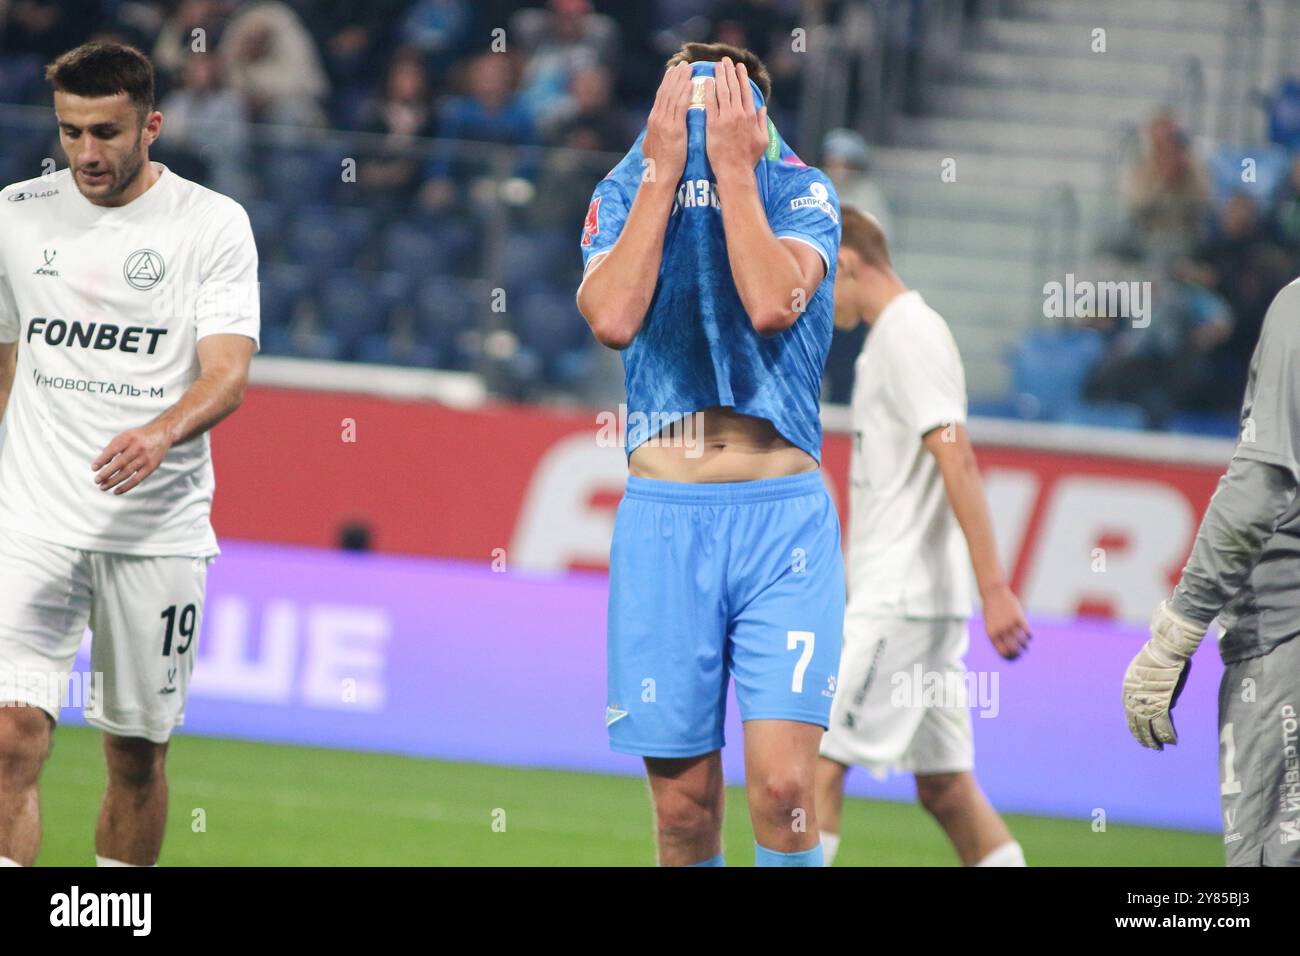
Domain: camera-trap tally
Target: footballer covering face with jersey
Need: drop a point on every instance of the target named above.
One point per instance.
(710, 255)
(128, 316)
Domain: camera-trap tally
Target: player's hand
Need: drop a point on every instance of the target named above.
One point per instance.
(664, 145)
(130, 458)
(735, 133)
(1004, 622)
(1156, 677)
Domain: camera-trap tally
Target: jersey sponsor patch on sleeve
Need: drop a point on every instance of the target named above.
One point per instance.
(819, 197)
(591, 226)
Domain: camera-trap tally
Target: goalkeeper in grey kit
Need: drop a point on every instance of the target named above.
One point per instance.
(1244, 569)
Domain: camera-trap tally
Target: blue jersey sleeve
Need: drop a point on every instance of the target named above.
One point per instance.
(804, 207)
(606, 217)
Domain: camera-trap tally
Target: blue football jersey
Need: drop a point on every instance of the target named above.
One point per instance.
(697, 347)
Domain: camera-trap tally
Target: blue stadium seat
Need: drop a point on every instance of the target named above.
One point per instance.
(1049, 367)
(354, 303)
(297, 176)
(445, 311)
(1272, 166)
(327, 238)
(413, 249)
(281, 287)
(1284, 114)
(1104, 415)
(267, 222)
(1214, 424)
(532, 257)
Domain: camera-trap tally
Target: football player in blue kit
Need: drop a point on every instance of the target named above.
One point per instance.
(710, 254)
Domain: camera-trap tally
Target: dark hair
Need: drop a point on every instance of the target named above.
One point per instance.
(863, 235)
(713, 52)
(104, 69)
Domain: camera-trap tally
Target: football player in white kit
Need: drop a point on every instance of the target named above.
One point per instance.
(915, 493)
(128, 316)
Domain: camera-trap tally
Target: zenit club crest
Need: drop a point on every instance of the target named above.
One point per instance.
(144, 269)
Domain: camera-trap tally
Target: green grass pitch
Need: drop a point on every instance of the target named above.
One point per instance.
(269, 805)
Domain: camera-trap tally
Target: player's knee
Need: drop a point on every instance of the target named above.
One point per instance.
(24, 744)
(134, 763)
(687, 818)
(943, 794)
(786, 793)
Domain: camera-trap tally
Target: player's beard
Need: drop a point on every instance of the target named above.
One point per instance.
(120, 177)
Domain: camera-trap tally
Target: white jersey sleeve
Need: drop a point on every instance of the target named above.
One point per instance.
(228, 301)
(926, 380)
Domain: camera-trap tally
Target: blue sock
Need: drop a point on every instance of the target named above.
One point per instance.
(765, 857)
(714, 861)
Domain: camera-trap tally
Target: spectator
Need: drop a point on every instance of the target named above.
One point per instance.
(1168, 194)
(847, 161)
(208, 118)
(1164, 367)
(589, 119)
(194, 27)
(404, 116)
(1246, 267)
(46, 28)
(489, 113)
(437, 28)
(557, 42)
(273, 63)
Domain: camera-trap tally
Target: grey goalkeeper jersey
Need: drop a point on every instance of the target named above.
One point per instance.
(1245, 563)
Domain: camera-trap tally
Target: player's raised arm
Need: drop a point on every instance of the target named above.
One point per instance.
(775, 278)
(619, 284)
(1004, 620)
(1254, 495)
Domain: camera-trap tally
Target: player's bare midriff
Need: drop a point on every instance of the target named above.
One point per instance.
(720, 444)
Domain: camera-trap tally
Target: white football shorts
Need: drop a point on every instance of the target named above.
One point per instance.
(143, 614)
(901, 700)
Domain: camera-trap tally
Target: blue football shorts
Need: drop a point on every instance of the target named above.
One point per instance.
(709, 582)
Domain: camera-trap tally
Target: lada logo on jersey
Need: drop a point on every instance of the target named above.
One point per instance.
(22, 196)
(144, 269)
(45, 270)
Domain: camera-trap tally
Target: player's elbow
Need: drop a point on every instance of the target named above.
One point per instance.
(772, 321)
(613, 334)
(607, 325)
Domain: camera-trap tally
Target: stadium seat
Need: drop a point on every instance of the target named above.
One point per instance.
(354, 303)
(1227, 165)
(1049, 368)
(1103, 415)
(268, 223)
(327, 238)
(1213, 424)
(282, 286)
(1284, 114)
(445, 312)
(300, 175)
(413, 249)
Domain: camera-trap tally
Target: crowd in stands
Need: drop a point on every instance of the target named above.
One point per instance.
(1217, 236)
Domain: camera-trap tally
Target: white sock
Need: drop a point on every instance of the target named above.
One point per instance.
(5, 861)
(106, 861)
(1008, 854)
(830, 843)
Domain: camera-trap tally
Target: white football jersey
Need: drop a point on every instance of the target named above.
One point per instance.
(907, 554)
(107, 305)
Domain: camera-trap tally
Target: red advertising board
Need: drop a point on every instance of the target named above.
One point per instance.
(536, 489)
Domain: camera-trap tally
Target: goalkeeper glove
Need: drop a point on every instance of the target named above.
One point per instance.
(1156, 676)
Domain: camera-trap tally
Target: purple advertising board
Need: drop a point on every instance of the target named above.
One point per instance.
(454, 660)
